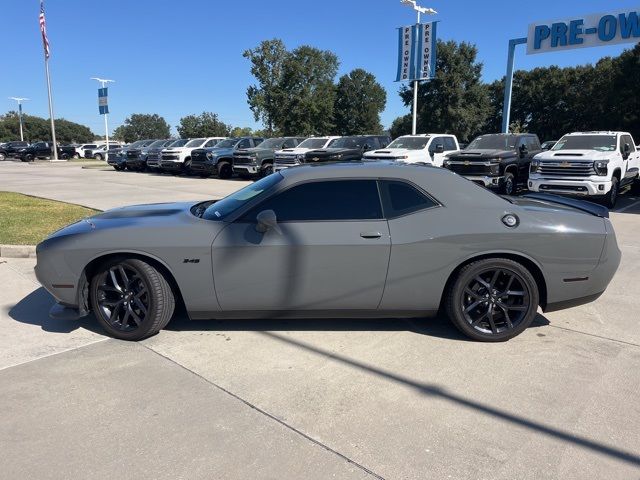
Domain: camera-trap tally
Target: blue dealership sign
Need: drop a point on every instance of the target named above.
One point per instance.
(416, 52)
(103, 105)
(584, 31)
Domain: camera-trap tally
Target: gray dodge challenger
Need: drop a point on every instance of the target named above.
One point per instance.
(352, 239)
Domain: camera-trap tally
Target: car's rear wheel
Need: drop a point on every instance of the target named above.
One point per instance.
(131, 299)
(3, 157)
(97, 156)
(493, 300)
(225, 171)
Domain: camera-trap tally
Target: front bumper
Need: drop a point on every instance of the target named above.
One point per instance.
(246, 169)
(586, 187)
(486, 180)
(171, 165)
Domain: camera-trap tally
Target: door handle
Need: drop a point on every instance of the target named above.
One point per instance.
(371, 235)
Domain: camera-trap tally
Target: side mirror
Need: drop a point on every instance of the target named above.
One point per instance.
(439, 148)
(523, 150)
(267, 220)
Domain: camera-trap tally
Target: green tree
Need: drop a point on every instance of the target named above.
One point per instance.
(266, 66)
(38, 128)
(359, 101)
(307, 79)
(206, 124)
(241, 132)
(141, 126)
(455, 101)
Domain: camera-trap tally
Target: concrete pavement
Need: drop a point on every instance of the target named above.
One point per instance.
(392, 399)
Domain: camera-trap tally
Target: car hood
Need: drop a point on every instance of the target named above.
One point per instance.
(577, 155)
(480, 154)
(257, 150)
(329, 152)
(393, 152)
(220, 151)
(292, 151)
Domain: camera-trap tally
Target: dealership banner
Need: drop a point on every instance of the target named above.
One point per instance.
(416, 52)
(610, 28)
(103, 105)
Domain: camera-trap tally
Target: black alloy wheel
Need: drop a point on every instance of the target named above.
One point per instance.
(493, 299)
(225, 171)
(267, 169)
(131, 299)
(509, 184)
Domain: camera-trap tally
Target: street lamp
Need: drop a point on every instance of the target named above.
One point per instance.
(20, 100)
(419, 11)
(104, 82)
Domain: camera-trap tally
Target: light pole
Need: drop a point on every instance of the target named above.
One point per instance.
(20, 100)
(419, 11)
(104, 82)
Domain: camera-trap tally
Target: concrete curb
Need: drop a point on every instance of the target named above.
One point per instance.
(17, 251)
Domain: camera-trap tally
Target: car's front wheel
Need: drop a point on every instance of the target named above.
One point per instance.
(611, 197)
(131, 299)
(266, 170)
(97, 156)
(225, 171)
(3, 157)
(508, 184)
(493, 300)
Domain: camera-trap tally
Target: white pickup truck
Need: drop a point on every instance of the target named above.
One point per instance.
(587, 164)
(429, 148)
(178, 159)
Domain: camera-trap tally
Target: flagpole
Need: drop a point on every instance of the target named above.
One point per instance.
(53, 125)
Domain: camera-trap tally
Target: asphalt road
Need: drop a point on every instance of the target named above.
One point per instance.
(311, 399)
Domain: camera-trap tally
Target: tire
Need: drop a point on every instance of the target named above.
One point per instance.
(118, 168)
(225, 171)
(3, 157)
(123, 290)
(64, 156)
(508, 186)
(266, 170)
(186, 167)
(475, 301)
(28, 158)
(97, 156)
(611, 197)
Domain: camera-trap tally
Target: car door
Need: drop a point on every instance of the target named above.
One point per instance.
(329, 252)
(630, 163)
(437, 154)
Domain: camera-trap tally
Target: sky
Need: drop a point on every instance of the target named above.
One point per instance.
(183, 57)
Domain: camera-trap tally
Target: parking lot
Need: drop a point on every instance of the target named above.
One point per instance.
(310, 398)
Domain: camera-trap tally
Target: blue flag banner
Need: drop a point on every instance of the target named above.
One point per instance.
(103, 105)
(416, 52)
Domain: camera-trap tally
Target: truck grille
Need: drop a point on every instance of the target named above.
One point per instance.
(470, 169)
(566, 169)
(242, 160)
(286, 160)
(170, 156)
(198, 157)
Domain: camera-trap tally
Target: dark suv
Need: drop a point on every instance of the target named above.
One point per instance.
(11, 149)
(218, 160)
(347, 149)
(497, 161)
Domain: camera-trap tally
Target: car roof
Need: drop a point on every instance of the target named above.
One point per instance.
(596, 132)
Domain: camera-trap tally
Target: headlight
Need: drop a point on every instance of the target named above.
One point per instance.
(300, 157)
(535, 166)
(494, 168)
(209, 155)
(446, 163)
(600, 166)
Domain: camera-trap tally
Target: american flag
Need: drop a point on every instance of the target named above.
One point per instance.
(43, 30)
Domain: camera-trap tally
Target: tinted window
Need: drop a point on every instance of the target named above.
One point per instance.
(533, 143)
(401, 198)
(290, 143)
(330, 200)
(449, 144)
(627, 139)
(244, 143)
(211, 143)
(436, 141)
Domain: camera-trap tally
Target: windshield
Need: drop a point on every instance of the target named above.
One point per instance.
(195, 143)
(313, 143)
(348, 142)
(272, 143)
(493, 142)
(411, 143)
(157, 143)
(229, 143)
(179, 143)
(228, 205)
(602, 143)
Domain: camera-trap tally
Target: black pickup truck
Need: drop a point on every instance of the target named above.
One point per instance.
(497, 161)
(11, 149)
(347, 149)
(44, 150)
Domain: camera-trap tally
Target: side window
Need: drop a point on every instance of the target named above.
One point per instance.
(533, 143)
(627, 139)
(245, 143)
(324, 201)
(400, 198)
(449, 144)
(257, 141)
(434, 143)
(289, 143)
(210, 143)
